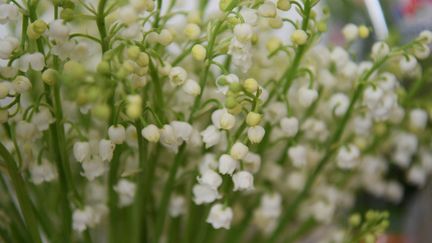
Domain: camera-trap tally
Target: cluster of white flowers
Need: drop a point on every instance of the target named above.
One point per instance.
(157, 111)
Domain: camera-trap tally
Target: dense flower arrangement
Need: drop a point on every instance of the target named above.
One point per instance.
(138, 122)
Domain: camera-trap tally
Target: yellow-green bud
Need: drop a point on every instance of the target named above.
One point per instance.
(230, 102)
(192, 31)
(134, 109)
(133, 52)
(199, 52)
(250, 85)
(355, 220)
(50, 76)
(129, 66)
(103, 67)
(121, 73)
(233, 20)
(253, 119)
(283, 5)
(39, 26)
(299, 37)
(369, 238)
(322, 26)
(276, 22)
(273, 43)
(101, 111)
(67, 14)
(363, 31)
(143, 59)
(235, 87)
(74, 69)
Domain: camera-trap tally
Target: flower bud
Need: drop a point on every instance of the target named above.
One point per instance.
(74, 70)
(379, 50)
(230, 102)
(133, 108)
(289, 126)
(283, 5)
(165, 37)
(21, 84)
(36, 29)
(4, 90)
(350, 32)
(250, 85)
(253, 119)
(426, 36)
(234, 87)
(199, 52)
(191, 87)
(267, 9)
(50, 76)
(117, 134)
(276, 22)
(143, 59)
(133, 52)
(239, 151)
(192, 31)
(363, 31)
(299, 37)
(151, 133)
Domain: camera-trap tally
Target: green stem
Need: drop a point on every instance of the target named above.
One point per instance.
(22, 194)
(166, 194)
(141, 196)
(100, 22)
(112, 196)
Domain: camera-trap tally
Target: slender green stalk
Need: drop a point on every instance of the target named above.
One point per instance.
(22, 194)
(100, 22)
(140, 206)
(166, 194)
(112, 195)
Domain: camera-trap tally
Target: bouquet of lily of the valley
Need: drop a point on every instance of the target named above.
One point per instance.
(140, 121)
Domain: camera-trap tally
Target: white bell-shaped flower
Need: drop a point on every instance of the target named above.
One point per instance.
(238, 151)
(126, 192)
(106, 149)
(211, 179)
(151, 133)
(307, 96)
(408, 63)
(222, 119)
(339, 104)
(227, 164)
(169, 138)
(44, 172)
(82, 218)
(418, 119)
(177, 206)
(177, 76)
(243, 32)
(256, 134)
(204, 194)
(298, 155)
(289, 126)
(8, 12)
(93, 168)
(191, 87)
(42, 119)
(117, 134)
(25, 131)
(220, 216)
(8, 45)
(243, 181)
(35, 61)
(81, 151)
(21, 84)
(348, 156)
(211, 136)
(58, 31)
